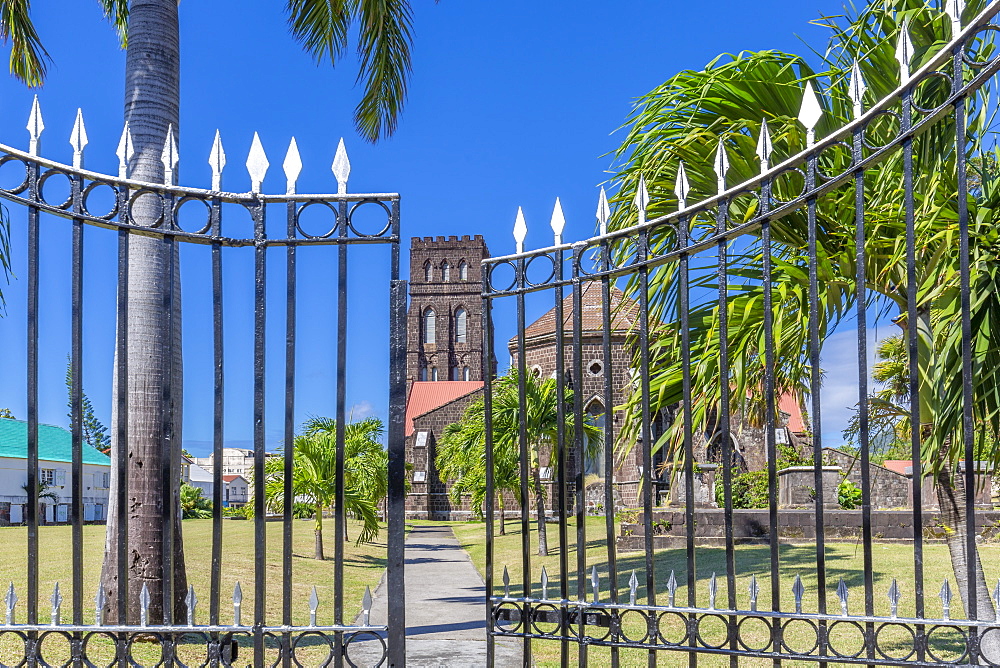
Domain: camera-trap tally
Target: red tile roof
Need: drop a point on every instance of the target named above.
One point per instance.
(789, 404)
(425, 396)
(230, 478)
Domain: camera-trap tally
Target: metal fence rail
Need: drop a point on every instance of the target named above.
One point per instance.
(671, 614)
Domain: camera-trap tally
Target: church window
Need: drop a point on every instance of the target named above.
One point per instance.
(465, 373)
(427, 271)
(595, 368)
(423, 373)
(445, 271)
(461, 325)
(463, 271)
(434, 374)
(430, 319)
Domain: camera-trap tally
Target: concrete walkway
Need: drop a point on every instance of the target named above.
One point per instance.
(445, 607)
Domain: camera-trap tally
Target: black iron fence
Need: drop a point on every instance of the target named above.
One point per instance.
(692, 342)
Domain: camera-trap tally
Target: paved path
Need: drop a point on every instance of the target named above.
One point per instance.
(445, 606)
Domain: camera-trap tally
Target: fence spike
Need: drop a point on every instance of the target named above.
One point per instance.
(595, 583)
(641, 198)
(341, 168)
(192, 602)
(713, 589)
(35, 126)
(894, 596)
(169, 156)
(681, 186)
(545, 584)
(558, 221)
(237, 602)
(125, 151)
(945, 595)
(78, 139)
(954, 9)
(257, 164)
(11, 601)
(721, 165)
(506, 583)
(56, 605)
(764, 147)
(754, 590)
(798, 591)
(313, 606)
(292, 166)
(99, 600)
(842, 594)
(366, 607)
(633, 587)
(144, 605)
(603, 212)
(810, 112)
(904, 51)
(857, 88)
(217, 161)
(671, 588)
(520, 230)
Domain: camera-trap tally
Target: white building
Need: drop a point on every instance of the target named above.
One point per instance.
(235, 461)
(55, 457)
(235, 491)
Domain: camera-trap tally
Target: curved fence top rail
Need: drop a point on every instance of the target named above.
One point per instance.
(954, 54)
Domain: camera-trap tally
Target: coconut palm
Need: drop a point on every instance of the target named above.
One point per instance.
(314, 474)
(149, 33)
(462, 458)
(684, 119)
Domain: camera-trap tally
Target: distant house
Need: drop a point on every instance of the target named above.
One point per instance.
(196, 476)
(235, 491)
(55, 458)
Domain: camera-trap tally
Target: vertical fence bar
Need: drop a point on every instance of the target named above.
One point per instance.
(260, 509)
(684, 312)
(218, 413)
(488, 446)
(121, 436)
(609, 434)
(340, 521)
(32, 401)
(167, 480)
(289, 434)
(396, 504)
(579, 445)
(522, 438)
(561, 459)
(647, 434)
(76, 412)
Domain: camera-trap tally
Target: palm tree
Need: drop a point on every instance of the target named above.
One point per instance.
(314, 474)
(683, 120)
(149, 33)
(462, 458)
(44, 492)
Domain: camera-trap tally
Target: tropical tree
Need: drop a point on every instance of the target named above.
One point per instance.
(95, 434)
(314, 474)
(149, 33)
(685, 118)
(462, 457)
(193, 505)
(6, 413)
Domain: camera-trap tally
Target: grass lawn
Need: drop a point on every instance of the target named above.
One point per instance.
(842, 560)
(363, 565)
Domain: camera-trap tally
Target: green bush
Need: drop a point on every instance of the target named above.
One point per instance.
(193, 504)
(848, 495)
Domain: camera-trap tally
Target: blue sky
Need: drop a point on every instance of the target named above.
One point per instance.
(511, 105)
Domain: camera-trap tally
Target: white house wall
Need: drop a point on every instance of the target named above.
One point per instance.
(96, 478)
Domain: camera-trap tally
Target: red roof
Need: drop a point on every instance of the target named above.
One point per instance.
(427, 395)
(789, 404)
(230, 478)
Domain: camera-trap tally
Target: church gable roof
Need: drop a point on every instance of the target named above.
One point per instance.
(624, 314)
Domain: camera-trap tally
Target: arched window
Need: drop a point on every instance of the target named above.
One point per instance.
(445, 271)
(461, 325)
(594, 456)
(429, 326)
(423, 373)
(463, 271)
(465, 373)
(427, 271)
(434, 373)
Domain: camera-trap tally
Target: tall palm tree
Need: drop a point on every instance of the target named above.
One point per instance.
(683, 120)
(149, 33)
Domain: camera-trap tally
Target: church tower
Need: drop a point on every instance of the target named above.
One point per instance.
(444, 324)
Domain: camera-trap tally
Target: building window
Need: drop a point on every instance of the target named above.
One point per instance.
(461, 325)
(434, 374)
(445, 271)
(595, 368)
(47, 477)
(427, 271)
(465, 373)
(429, 325)
(463, 271)
(423, 373)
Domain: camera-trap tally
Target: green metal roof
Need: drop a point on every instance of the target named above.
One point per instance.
(55, 444)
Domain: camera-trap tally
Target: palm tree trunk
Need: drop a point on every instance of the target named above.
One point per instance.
(318, 533)
(543, 540)
(152, 100)
(503, 516)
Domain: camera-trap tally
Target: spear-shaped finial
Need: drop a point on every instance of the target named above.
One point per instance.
(595, 583)
(764, 147)
(558, 222)
(192, 602)
(341, 168)
(671, 588)
(506, 583)
(35, 127)
(798, 591)
(237, 602)
(721, 165)
(257, 164)
(78, 139)
(894, 596)
(11, 601)
(545, 584)
(633, 588)
(904, 51)
(366, 607)
(810, 112)
(681, 186)
(56, 601)
(169, 156)
(754, 592)
(603, 212)
(144, 605)
(641, 200)
(842, 594)
(713, 590)
(520, 230)
(313, 606)
(945, 595)
(292, 166)
(125, 152)
(857, 87)
(217, 161)
(954, 9)
(99, 600)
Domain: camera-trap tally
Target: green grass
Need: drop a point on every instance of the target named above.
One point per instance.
(363, 566)
(842, 560)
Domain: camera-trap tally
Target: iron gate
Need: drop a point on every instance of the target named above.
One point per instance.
(658, 359)
(98, 201)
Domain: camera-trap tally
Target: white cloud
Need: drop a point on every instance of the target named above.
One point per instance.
(839, 393)
(360, 411)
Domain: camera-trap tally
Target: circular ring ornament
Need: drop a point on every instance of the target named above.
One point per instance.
(628, 617)
(702, 633)
(135, 197)
(543, 627)
(90, 189)
(848, 627)
(830, 150)
(946, 629)
(741, 634)
(909, 645)
(967, 58)
(364, 634)
(810, 626)
(24, 184)
(592, 255)
(143, 639)
(508, 626)
(931, 76)
(44, 178)
(208, 213)
(870, 145)
(40, 649)
(590, 629)
(787, 174)
(492, 276)
(551, 269)
(363, 235)
(23, 651)
(101, 636)
(204, 641)
(302, 209)
(322, 636)
(664, 630)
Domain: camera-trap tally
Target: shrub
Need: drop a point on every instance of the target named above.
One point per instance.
(848, 495)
